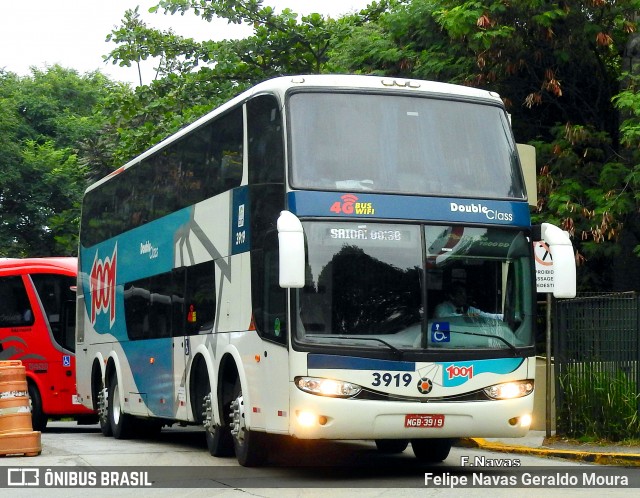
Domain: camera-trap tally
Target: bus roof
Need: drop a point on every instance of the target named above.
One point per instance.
(281, 84)
(68, 265)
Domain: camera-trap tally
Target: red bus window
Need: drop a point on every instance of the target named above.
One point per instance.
(15, 309)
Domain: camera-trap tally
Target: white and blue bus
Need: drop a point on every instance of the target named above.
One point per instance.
(281, 268)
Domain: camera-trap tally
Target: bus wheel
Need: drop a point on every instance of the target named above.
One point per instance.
(103, 412)
(391, 446)
(219, 440)
(38, 418)
(431, 450)
(250, 447)
(121, 423)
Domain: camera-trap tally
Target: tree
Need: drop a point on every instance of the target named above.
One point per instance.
(44, 120)
(557, 66)
(195, 77)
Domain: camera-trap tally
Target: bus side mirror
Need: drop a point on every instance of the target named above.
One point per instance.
(527, 154)
(564, 262)
(291, 249)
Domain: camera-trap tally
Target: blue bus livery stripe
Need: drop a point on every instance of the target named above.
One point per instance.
(333, 362)
(407, 207)
(153, 380)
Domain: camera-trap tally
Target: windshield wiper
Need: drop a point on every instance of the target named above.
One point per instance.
(509, 345)
(355, 338)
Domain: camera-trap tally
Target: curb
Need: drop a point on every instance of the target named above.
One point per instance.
(600, 458)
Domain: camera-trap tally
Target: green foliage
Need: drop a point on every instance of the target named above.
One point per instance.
(137, 43)
(45, 120)
(558, 66)
(195, 77)
(598, 403)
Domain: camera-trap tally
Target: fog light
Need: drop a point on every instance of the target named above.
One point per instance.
(306, 419)
(522, 421)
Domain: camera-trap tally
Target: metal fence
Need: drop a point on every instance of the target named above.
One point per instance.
(597, 360)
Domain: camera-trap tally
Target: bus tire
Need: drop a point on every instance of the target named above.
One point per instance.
(391, 446)
(38, 418)
(250, 446)
(121, 423)
(219, 441)
(103, 410)
(431, 450)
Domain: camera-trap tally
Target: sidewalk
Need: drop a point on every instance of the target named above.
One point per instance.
(535, 443)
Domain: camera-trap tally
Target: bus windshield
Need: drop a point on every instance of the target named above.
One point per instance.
(402, 144)
(368, 285)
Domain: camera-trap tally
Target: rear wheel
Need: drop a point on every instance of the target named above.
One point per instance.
(392, 446)
(121, 423)
(103, 410)
(38, 418)
(219, 440)
(431, 450)
(250, 446)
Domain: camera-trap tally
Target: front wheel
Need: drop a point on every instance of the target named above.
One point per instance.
(38, 417)
(250, 446)
(431, 450)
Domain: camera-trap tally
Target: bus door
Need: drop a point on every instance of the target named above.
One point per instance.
(56, 294)
(272, 323)
(196, 327)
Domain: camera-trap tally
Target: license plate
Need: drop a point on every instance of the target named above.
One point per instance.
(433, 421)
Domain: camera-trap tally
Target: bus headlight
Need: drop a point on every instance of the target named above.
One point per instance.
(510, 390)
(327, 387)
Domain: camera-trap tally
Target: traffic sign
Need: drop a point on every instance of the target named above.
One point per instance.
(544, 267)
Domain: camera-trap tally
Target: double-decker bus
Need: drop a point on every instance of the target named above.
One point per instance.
(275, 269)
(37, 327)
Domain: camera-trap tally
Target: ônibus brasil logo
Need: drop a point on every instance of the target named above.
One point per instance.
(349, 205)
(103, 287)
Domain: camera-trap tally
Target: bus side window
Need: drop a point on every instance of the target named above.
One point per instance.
(15, 309)
(266, 154)
(200, 298)
(137, 298)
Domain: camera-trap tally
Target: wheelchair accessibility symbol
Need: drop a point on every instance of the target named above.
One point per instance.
(66, 360)
(440, 332)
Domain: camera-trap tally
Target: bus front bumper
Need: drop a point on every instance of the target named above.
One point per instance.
(319, 417)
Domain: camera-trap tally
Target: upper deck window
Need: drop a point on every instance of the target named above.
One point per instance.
(402, 144)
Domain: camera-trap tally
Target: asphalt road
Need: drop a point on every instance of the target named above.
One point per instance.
(177, 463)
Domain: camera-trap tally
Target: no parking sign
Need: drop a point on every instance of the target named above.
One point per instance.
(544, 267)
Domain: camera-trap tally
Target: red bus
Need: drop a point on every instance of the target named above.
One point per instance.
(37, 326)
